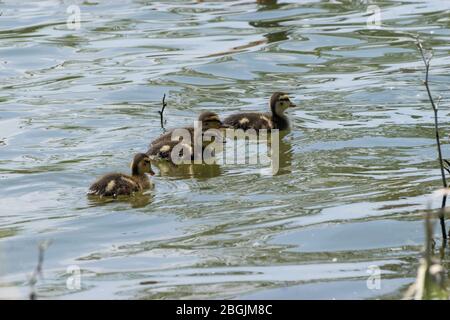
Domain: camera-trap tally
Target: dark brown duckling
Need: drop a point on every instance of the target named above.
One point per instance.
(208, 119)
(277, 119)
(116, 184)
(161, 147)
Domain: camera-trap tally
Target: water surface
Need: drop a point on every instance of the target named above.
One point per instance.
(355, 172)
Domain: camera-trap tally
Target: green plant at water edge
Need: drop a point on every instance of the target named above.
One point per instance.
(431, 281)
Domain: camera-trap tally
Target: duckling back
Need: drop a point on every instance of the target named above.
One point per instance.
(249, 120)
(163, 150)
(167, 137)
(114, 184)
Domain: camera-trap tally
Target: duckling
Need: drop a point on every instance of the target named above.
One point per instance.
(277, 119)
(162, 146)
(208, 119)
(116, 184)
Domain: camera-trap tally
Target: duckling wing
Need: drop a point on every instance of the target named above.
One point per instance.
(163, 150)
(113, 184)
(103, 185)
(247, 121)
(164, 137)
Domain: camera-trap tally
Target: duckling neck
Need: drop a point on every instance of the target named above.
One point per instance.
(142, 180)
(280, 121)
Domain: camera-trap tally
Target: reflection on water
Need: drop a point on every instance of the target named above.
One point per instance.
(272, 152)
(135, 201)
(354, 170)
(285, 155)
(272, 36)
(184, 171)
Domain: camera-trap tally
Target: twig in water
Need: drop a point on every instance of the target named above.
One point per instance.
(161, 113)
(43, 245)
(435, 106)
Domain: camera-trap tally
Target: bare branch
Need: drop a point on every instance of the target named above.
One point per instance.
(427, 71)
(436, 129)
(161, 113)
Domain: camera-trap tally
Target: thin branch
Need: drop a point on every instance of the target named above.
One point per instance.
(427, 61)
(37, 273)
(161, 113)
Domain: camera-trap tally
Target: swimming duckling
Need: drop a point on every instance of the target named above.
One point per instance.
(162, 146)
(277, 119)
(116, 184)
(208, 119)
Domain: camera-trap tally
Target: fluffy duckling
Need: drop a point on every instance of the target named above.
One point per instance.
(116, 184)
(208, 119)
(162, 146)
(277, 119)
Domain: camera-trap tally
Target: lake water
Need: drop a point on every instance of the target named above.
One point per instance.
(356, 168)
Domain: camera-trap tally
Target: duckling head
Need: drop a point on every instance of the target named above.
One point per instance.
(279, 102)
(210, 120)
(141, 165)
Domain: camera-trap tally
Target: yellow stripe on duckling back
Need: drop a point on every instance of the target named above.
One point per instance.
(110, 186)
(243, 121)
(164, 148)
(127, 180)
(269, 122)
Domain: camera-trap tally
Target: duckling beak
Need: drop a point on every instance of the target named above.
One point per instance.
(151, 172)
(292, 105)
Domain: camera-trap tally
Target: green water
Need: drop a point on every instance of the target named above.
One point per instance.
(356, 168)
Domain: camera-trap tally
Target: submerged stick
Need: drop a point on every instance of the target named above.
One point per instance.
(161, 113)
(435, 107)
(38, 270)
